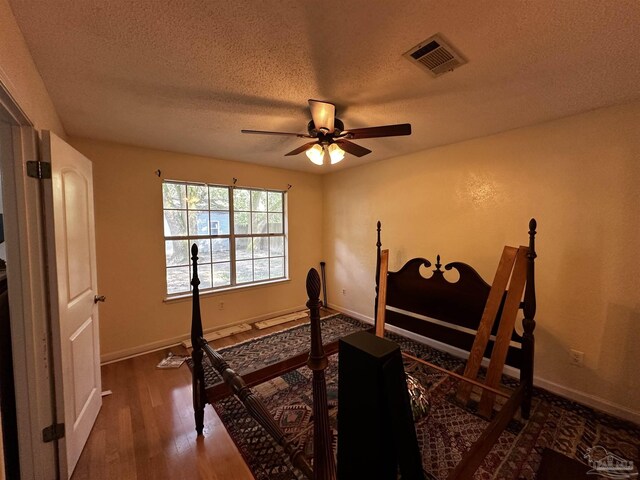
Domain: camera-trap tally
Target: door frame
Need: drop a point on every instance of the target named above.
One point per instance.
(28, 299)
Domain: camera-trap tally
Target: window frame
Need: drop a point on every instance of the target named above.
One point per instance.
(231, 236)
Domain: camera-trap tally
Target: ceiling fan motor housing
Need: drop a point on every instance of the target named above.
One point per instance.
(338, 127)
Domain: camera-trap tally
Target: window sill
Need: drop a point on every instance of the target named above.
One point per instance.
(187, 296)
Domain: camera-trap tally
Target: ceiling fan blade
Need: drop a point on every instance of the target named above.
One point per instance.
(262, 132)
(375, 132)
(352, 148)
(323, 114)
(301, 149)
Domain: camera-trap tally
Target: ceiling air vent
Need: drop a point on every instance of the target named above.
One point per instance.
(435, 56)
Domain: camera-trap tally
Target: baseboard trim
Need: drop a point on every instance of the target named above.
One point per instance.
(587, 399)
(351, 313)
(127, 353)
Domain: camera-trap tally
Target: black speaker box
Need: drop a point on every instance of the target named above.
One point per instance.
(376, 433)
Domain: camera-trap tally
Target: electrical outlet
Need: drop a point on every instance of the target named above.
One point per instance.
(576, 358)
(221, 306)
(344, 291)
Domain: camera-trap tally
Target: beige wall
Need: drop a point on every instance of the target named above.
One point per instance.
(130, 250)
(579, 176)
(19, 75)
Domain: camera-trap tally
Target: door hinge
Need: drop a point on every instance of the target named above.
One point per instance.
(38, 169)
(53, 432)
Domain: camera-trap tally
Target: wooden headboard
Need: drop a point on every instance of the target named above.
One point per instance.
(448, 312)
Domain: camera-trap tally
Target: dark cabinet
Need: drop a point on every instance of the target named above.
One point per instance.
(7, 387)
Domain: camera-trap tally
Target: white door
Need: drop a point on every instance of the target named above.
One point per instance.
(73, 293)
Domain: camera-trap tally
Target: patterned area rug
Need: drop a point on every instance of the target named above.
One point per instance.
(263, 351)
(555, 423)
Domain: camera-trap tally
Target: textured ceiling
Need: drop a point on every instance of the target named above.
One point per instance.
(187, 75)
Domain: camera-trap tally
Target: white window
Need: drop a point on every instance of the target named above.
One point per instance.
(240, 233)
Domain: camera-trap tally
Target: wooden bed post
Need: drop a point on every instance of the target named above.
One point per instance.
(529, 324)
(199, 396)
(375, 303)
(324, 467)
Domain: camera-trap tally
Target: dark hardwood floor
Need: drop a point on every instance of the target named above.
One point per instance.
(146, 430)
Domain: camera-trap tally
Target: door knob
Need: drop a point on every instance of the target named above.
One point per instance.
(99, 298)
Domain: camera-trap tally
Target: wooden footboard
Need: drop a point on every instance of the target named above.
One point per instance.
(316, 360)
(256, 377)
(253, 404)
(257, 409)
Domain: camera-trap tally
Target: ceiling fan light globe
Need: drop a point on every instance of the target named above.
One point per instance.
(316, 154)
(335, 153)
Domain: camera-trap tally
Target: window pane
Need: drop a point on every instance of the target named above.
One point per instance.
(176, 252)
(258, 223)
(260, 247)
(219, 223)
(204, 251)
(220, 249)
(241, 223)
(258, 201)
(173, 195)
(275, 223)
(241, 199)
(204, 275)
(198, 223)
(221, 274)
(175, 223)
(244, 271)
(219, 197)
(197, 196)
(243, 248)
(275, 201)
(200, 210)
(261, 269)
(276, 245)
(178, 279)
(277, 267)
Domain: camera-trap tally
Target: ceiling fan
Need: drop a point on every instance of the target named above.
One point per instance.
(329, 134)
